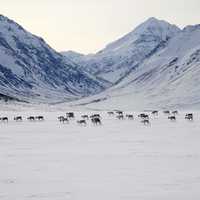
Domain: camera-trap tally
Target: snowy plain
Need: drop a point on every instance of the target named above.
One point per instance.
(119, 160)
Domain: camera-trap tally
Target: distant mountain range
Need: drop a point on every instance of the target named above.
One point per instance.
(157, 64)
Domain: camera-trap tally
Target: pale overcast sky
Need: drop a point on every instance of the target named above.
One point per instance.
(88, 25)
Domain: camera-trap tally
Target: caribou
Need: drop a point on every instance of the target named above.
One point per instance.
(154, 112)
(172, 118)
(175, 112)
(70, 115)
(63, 119)
(85, 117)
(31, 118)
(119, 112)
(39, 118)
(120, 116)
(143, 116)
(4, 119)
(166, 112)
(18, 118)
(95, 116)
(130, 117)
(145, 122)
(189, 116)
(82, 122)
(96, 121)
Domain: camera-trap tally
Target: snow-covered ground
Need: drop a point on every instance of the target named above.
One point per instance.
(119, 160)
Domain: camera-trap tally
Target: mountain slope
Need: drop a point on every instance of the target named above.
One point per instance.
(119, 58)
(30, 69)
(156, 65)
(168, 79)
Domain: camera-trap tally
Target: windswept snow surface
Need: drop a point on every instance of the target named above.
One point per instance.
(119, 160)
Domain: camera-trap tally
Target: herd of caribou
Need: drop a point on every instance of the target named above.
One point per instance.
(96, 119)
(145, 118)
(20, 118)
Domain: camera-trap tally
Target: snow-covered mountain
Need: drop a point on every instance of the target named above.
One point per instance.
(119, 58)
(170, 77)
(156, 65)
(31, 69)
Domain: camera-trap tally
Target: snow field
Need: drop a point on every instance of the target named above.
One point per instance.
(118, 160)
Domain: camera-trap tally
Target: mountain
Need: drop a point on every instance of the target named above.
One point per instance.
(169, 78)
(157, 65)
(31, 70)
(119, 58)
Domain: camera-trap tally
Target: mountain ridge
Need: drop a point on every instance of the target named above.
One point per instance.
(156, 64)
(169, 79)
(118, 58)
(30, 69)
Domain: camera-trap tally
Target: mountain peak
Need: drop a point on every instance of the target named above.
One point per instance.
(152, 19)
(153, 23)
(155, 20)
(151, 28)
